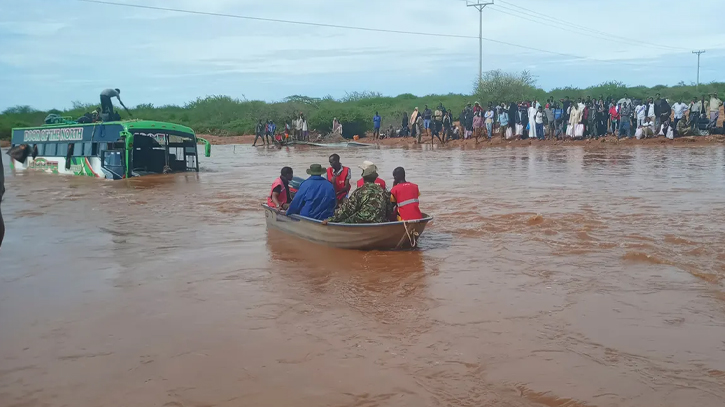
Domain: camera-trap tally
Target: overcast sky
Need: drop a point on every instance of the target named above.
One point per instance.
(53, 52)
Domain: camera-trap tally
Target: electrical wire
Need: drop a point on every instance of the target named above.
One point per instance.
(585, 29)
(356, 28)
(496, 9)
(276, 20)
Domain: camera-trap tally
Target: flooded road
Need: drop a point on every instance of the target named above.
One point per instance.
(555, 276)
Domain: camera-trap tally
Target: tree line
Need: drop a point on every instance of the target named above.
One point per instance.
(226, 115)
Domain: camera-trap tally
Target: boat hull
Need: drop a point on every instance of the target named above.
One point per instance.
(377, 236)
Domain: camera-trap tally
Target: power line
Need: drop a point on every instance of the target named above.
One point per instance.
(581, 27)
(348, 27)
(523, 17)
(276, 20)
(560, 26)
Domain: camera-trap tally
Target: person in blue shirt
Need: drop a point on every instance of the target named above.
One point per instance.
(271, 129)
(376, 125)
(316, 197)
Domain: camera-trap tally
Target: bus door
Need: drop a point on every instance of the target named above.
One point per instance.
(113, 163)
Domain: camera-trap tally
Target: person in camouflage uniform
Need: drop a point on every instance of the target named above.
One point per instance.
(368, 204)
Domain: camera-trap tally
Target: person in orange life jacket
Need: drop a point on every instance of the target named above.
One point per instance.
(279, 197)
(405, 196)
(365, 165)
(339, 176)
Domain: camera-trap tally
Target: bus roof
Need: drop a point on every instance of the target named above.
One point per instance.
(101, 131)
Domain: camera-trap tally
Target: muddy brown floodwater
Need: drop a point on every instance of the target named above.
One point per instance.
(552, 276)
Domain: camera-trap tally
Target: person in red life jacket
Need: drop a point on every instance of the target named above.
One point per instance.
(368, 164)
(339, 176)
(405, 196)
(279, 197)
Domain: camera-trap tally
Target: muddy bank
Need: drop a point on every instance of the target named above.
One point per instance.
(500, 142)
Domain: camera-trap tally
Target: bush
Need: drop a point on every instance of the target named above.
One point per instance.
(498, 86)
(224, 115)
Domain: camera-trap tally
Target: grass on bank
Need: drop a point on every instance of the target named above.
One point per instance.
(226, 116)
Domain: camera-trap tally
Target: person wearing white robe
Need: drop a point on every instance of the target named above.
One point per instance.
(532, 120)
(575, 116)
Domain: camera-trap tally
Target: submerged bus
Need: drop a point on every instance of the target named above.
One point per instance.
(111, 150)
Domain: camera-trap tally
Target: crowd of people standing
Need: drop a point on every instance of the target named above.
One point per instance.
(584, 118)
(296, 129)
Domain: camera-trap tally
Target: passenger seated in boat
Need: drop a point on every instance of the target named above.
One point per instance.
(405, 197)
(316, 196)
(369, 204)
(339, 175)
(279, 196)
(378, 180)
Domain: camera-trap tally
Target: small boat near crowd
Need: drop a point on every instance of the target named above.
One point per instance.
(372, 236)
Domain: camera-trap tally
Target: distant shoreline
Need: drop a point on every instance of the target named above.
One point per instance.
(498, 142)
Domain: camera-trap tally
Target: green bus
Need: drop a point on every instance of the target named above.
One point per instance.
(110, 150)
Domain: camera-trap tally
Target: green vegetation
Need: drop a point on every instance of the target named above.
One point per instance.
(223, 115)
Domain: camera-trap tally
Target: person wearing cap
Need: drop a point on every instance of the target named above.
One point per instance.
(279, 197)
(404, 196)
(368, 204)
(378, 180)
(316, 196)
(339, 176)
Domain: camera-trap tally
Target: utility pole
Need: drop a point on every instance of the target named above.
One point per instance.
(698, 66)
(479, 5)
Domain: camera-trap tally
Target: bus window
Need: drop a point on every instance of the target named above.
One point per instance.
(94, 149)
(88, 149)
(41, 150)
(78, 149)
(50, 149)
(62, 149)
(112, 159)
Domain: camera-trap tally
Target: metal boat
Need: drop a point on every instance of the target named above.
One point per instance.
(372, 236)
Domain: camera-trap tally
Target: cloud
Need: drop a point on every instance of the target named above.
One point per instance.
(168, 57)
(32, 28)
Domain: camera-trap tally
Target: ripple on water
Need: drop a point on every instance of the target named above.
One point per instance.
(556, 276)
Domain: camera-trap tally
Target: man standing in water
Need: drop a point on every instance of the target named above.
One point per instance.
(339, 176)
(259, 132)
(107, 105)
(376, 126)
(2, 192)
(269, 133)
(427, 115)
(405, 196)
